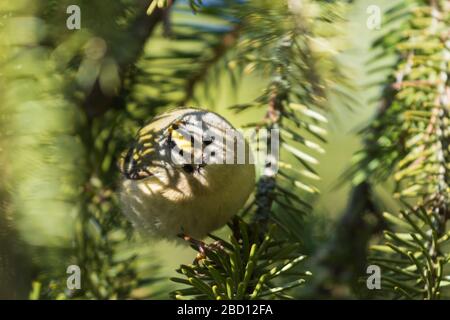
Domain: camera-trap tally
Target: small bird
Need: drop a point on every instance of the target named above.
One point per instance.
(185, 174)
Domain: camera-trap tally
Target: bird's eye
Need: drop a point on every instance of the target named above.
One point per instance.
(188, 168)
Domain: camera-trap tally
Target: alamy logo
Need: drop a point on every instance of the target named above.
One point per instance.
(374, 280)
(73, 22)
(213, 146)
(74, 280)
(374, 20)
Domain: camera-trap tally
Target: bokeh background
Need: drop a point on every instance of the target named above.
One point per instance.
(62, 125)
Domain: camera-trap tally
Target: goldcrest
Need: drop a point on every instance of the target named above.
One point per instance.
(187, 172)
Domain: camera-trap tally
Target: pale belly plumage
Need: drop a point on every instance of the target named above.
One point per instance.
(194, 204)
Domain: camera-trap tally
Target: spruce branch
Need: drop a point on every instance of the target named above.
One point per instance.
(294, 100)
(409, 140)
(244, 267)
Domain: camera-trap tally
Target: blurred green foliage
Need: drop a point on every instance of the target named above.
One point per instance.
(70, 100)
